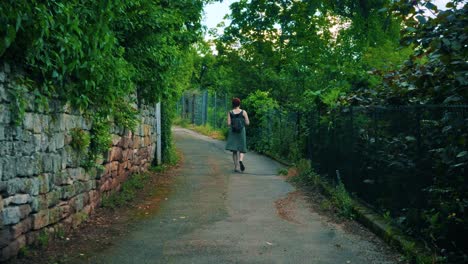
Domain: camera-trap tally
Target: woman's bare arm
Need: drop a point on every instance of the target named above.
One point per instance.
(228, 119)
(246, 117)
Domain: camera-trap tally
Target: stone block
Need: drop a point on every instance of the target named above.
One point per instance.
(53, 197)
(80, 187)
(68, 191)
(9, 167)
(77, 202)
(25, 166)
(37, 142)
(59, 139)
(13, 248)
(45, 121)
(25, 210)
(62, 178)
(115, 154)
(14, 186)
(22, 227)
(114, 167)
(65, 211)
(70, 122)
(38, 203)
(44, 183)
(5, 114)
(40, 219)
(89, 185)
(44, 142)
(32, 237)
(29, 121)
(27, 148)
(51, 146)
(5, 237)
(136, 142)
(2, 132)
(116, 140)
(54, 215)
(64, 157)
(11, 215)
(51, 163)
(3, 94)
(86, 124)
(77, 174)
(31, 186)
(127, 154)
(146, 130)
(58, 125)
(17, 199)
(6, 148)
(73, 158)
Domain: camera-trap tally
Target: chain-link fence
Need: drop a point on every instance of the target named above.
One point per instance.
(385, 155)
(389, 156)
(410, 161)
(204, 108)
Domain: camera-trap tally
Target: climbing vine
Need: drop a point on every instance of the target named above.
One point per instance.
(96, 55)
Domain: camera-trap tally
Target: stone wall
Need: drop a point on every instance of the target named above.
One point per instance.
(43, 187)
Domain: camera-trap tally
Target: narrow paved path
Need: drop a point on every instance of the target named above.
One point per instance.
(217, 216)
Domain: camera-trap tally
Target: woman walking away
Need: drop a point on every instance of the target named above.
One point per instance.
(237, 119)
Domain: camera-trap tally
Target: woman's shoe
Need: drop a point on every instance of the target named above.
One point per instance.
(242, 167)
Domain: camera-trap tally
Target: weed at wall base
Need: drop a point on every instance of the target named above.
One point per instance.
(127, 193)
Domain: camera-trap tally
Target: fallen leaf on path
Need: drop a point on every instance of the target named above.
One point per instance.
(270, 244)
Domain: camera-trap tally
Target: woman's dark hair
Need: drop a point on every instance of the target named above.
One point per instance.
(235, 102)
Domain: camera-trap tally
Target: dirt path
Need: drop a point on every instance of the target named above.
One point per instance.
(214, 215)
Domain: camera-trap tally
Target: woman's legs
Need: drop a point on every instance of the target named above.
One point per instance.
(235, 158)
(241, 158)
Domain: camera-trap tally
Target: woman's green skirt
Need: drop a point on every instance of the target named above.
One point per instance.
(237, 141)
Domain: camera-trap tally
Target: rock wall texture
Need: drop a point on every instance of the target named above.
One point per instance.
(43, 187)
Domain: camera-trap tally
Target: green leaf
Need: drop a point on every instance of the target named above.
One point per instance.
(421, 19)
(10, 36)
(55, 74)
(431, 6)
(462, 154)
(382, 10)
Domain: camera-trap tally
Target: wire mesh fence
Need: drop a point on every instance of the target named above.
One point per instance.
(204, 108)
(387, 156)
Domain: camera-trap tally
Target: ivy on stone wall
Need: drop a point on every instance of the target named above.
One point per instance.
(97, 54)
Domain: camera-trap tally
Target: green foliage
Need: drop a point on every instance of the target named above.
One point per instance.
(80, 140)
(43, 239)
(339, 196)
(439, 40)
(159, 168)
(344, 201)
(126, 116)
(24, 252)
(18, 106)
(283, 171)
(101, 140)
(98, 54)
(127, 192)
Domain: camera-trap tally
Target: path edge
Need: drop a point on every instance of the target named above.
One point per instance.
(411, 248)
